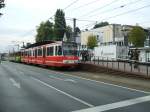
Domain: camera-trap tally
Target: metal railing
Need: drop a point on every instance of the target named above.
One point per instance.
(120, 64)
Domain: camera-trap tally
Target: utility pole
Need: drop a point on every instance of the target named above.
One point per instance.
(74, 29)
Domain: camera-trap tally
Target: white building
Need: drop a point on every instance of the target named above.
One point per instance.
(108, 35)
(112, 40)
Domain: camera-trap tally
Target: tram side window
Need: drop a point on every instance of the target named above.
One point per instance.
(58, 50)
(35, 52)
(30, 53)
(26, 53)
(50, 51)
(21, 53)
(40, 52)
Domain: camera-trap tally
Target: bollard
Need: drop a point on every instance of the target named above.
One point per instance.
(107, 62)
(118, 65)
(124, 66)
(131, 66)
(102, 61)
(147, 70)
(138, 67)
(112, 63)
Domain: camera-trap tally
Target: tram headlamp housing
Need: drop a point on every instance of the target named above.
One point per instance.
(70, 61)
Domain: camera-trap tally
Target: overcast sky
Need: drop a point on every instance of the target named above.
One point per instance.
(22, 16)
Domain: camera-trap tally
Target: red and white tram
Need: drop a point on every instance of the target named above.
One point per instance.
(51, 53)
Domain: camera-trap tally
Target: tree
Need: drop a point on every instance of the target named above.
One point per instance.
(69, 32)
(92, 42)
(39, 35)
(137, 36)
(48, 30)
(77, 31)
(45, 31)
(60, 25)
(101, 24)
(1, 5)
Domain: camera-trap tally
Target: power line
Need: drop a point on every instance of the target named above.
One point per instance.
(114, 1)
(84, 5)
(109, 10)
(134, 10)
(86, 20)
(71, 19)
(116, 8)
(88, 25)
(70, 4)
(66, 7)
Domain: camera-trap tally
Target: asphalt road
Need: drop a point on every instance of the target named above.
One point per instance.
(25, 88)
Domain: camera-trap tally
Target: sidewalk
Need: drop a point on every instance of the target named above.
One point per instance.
(124, 67)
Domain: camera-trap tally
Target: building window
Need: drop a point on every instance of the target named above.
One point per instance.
(148, 56)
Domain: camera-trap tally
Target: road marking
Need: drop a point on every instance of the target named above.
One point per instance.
(15, 83)
(66, 80)
(79, 77)
(22, 73)
(55, 77)
(116, 105)
(77, 99)
(70, 80)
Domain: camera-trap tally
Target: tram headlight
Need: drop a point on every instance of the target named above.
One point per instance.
(65, 61)
(70, 61)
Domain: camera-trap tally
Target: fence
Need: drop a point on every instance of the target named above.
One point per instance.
(125, 65)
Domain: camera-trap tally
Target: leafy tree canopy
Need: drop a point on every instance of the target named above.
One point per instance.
(92, 42)
(1, 5)
(77, 30)
(69, 32)
(45, 31)
(60, 24)
(137, 36)
(101, 24)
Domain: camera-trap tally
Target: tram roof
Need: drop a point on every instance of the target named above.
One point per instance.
(39, 44)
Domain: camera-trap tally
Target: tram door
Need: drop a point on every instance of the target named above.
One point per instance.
(44, 54)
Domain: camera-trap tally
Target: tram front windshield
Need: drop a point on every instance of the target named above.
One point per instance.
(69, 49)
